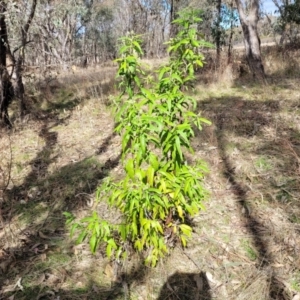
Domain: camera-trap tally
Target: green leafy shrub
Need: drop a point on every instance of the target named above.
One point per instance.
(155, 118)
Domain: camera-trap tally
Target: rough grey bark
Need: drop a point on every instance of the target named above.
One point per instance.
(251, 38)
(174, 7)
(6, 91)
(18, 85)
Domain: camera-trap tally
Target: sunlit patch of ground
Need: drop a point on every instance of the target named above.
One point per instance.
(245, 245)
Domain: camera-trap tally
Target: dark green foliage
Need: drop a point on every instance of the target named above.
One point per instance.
(292, 12)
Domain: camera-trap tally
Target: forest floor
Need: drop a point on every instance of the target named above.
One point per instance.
(245, 245)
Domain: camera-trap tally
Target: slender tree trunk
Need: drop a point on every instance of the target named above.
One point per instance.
(173, 15)
(18, 85)
(218, 33)
(229, 51)
(251, 38)
(6, 91)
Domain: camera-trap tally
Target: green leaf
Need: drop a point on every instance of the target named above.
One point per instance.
(87, 219)
(134, 229)
(183, 240)
(146, 225)
(93, 243)
(108, 250)
(137, 47)
(184, 139)
(133, 202)
(154, 241)
(130, 168)
(123, 232)
(137, 81)
(187, 230)
(112, 243)
(153, 161)
(203, 120)
(159, 228)
(81, 237)
(150, 176)
(138, 245)
(177, 77)
(162, 72)
(143, 143)
(73, 229)
(195, 43)
(97, 228)
(180, 212)
(70, 217)
(178, 147)
(140, 174)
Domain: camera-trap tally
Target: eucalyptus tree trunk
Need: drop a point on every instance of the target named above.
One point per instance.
(174, 7)
(251, 38)
(6, 91)
(17, 76)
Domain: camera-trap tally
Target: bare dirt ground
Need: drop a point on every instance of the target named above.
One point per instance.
(245, 245)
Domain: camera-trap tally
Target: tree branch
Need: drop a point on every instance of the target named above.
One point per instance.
(240, 8)
(30, 18)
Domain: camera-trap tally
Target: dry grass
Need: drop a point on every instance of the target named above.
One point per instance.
(279, 63)
(244, 246)
(257, 150)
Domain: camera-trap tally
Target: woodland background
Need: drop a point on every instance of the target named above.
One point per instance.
(57, 144)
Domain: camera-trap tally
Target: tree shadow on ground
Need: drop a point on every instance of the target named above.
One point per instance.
(39, 253)
(285, 180)
(108, 290)
(234, 117)
(45, 104)
(34, 250)
(47, 99)
(38, 203)
(94, 84)
(186, 286)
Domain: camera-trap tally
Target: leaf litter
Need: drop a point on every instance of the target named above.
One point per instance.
(245, 244)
